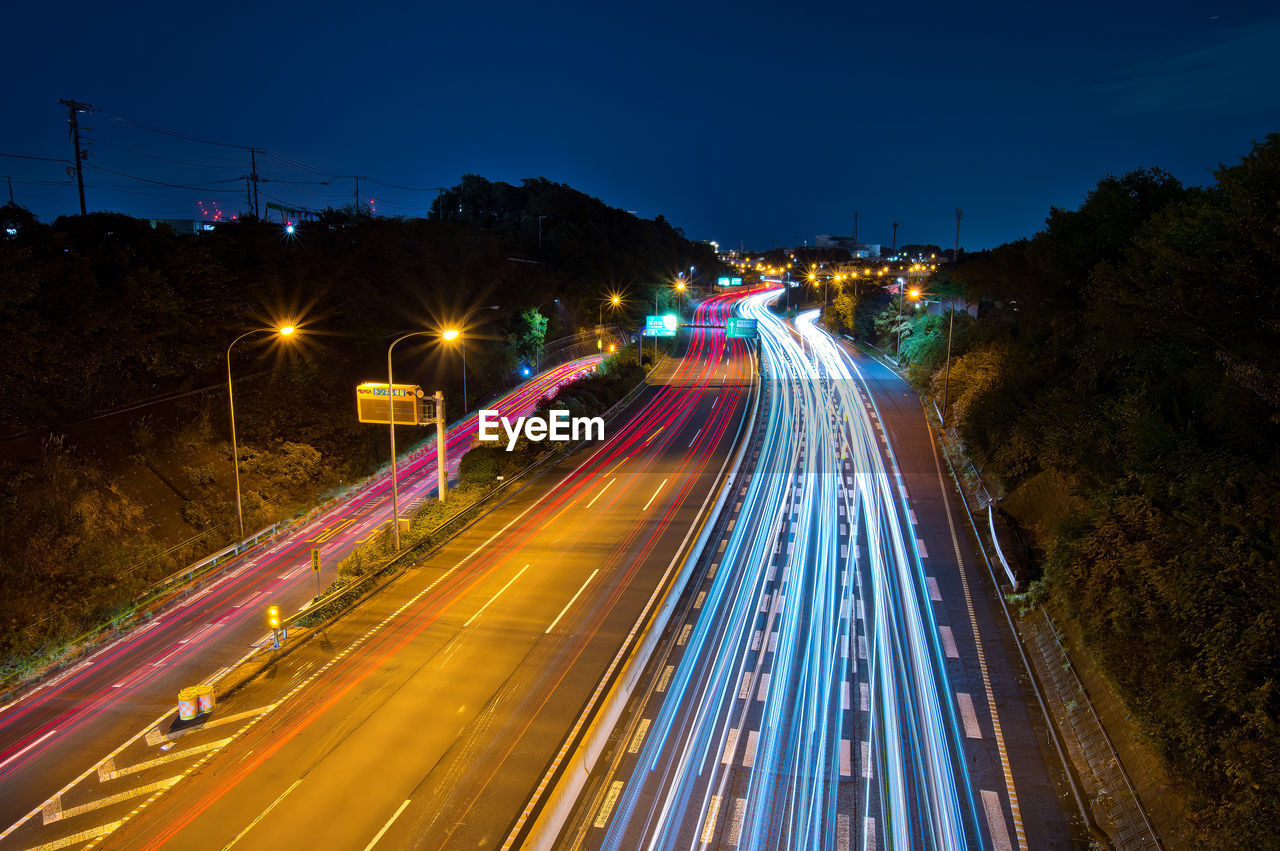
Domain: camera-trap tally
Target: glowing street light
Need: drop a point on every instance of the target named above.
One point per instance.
(284, 331)
(451, 334)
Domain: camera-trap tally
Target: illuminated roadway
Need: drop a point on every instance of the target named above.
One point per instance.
(427, 717)
(63, 726)
(827, 685)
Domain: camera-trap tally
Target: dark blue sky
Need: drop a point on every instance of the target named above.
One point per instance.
(739, 122)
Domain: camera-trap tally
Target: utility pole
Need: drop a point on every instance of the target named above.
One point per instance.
(357, 177)
(10, 179)
(955, 254)
(895, 237)
(855, 227)
(440, 190)
(74, 107)
(253, 176)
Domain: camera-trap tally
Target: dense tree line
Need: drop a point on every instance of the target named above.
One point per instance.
(103, 311)
(1129, 354)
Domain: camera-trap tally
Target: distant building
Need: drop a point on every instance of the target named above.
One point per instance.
(857, 250)
(182, 225)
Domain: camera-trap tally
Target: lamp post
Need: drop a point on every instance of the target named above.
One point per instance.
(283, 331)
(391, 419)
(451, 334)
(951, 324)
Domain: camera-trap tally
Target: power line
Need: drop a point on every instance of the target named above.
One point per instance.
(155, 157)
(177, 134)
(44, 159)
(202, 187)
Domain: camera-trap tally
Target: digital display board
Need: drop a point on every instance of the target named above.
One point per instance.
(409, 404)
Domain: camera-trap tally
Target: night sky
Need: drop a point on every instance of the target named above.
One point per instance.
(739, 122)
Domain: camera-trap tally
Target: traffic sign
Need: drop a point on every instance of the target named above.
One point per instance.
(315, 559)
(661, 326)
(408, 403)
(740, 329)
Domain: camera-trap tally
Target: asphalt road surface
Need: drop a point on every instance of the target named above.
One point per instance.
(838, 679)
(427, 717)
(59, 729)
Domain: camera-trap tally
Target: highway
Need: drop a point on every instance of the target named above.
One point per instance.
(66, 724)
(828, 685)
(428, 716)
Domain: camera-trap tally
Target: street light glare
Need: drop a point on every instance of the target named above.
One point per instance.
(450, 334)
(287, 330)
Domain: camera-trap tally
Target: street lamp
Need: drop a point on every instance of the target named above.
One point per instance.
(451, 334)
(442, 474)
(946, 375)
(284, 331)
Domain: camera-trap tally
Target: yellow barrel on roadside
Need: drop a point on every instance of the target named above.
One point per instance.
(187, 703)
(204, 698)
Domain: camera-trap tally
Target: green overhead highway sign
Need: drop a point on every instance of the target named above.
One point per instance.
(661, 326)
(740, 329)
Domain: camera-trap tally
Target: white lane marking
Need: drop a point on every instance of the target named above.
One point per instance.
(571, 601)
(602, 490)
(844, 696)
(695, 437)
(920, 548)
(745, 689)
(869, 831)
(864, 697)
(709, 826)
(735, 821)
(702, 595)
(28, 747)
(934, 594)
(262, 815)
(773, 642)
(865, 748)
(730, 745)
(846, 761)
(665, 679)
(655, 495)
(948, 642)
(968, 715)
(763, 691)
(995, 821)
(494, 597)
(755, 640)
(386, 826)
(842, 832)
(611, 798)
(82, 836)
(638, 739)
(749, 756)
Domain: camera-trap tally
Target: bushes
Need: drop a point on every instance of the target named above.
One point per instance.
(1119, 364)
